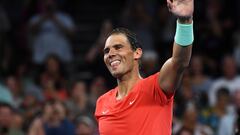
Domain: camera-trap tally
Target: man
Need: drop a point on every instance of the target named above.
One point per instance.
(8, 120)
(5, 118)
(51, 32)
(140, 106)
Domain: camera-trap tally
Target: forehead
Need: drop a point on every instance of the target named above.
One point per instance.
(5, 109)
(116, 39)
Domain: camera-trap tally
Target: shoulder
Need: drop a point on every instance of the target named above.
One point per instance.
(104, 102)
(63, 16)
(150, 82)
(218, 83)
(106, 96)
(152, 78)
(151, 86)
(237, 79)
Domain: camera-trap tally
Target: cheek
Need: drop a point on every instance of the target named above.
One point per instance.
(130, 60)
(105, 62)
(105, 59)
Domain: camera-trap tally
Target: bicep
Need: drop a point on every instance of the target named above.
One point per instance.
(170, 77)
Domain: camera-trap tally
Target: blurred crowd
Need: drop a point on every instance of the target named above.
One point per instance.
(45, 89)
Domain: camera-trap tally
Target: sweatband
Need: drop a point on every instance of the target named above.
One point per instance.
(184, 34)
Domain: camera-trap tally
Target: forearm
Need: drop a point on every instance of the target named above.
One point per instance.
(182, 53)
(181, 56)
(34, 28)
(67, 31)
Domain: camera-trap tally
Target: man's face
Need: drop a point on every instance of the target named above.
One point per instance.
(229, 67)
(5, 116)
(119, 56)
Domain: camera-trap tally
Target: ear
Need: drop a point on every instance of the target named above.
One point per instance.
(138, 54)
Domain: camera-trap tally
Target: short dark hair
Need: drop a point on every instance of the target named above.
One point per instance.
(7, 105)
(131, 36)
(222, 92)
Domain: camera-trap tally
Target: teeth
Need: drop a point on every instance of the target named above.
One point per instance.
(115, 63)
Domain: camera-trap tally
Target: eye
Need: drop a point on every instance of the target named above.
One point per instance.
(118, 46)
(106, 50)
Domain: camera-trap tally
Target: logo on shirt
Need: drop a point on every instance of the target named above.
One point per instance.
(131, 102)
(105, 112)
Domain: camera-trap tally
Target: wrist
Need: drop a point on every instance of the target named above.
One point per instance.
(185, 19)
(184, 33)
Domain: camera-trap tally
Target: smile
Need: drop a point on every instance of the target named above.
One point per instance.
(115, 63)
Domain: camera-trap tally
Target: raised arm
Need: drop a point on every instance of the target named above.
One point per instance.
(172, 71)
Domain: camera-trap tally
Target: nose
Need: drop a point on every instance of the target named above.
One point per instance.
(111, 53)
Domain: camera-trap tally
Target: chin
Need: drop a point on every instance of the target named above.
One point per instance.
(116, 74)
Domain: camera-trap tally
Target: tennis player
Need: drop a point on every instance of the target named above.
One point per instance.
(144, 106)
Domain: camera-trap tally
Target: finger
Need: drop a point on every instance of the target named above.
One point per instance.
(169, 1)
(169, 4)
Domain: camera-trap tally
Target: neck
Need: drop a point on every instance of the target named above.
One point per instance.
(126, 83)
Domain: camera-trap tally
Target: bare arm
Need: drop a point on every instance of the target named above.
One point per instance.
(172, 71)
(36, 128)
(35, 27)
(69, 32)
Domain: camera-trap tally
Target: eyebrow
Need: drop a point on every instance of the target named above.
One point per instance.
(115, 45)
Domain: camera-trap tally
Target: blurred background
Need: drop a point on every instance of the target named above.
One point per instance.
(52, 69)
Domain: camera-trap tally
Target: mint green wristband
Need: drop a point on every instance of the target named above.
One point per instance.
(184, 34)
